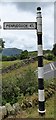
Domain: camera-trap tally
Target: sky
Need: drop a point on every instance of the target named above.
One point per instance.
(27, 12)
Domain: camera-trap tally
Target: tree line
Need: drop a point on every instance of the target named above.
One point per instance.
(25, 54)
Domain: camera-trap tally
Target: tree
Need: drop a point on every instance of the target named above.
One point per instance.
(2, 43)
(54, 49)
(24, 54)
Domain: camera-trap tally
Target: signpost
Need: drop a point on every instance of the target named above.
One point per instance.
(19, 25)
(31, 26)
(41, 97)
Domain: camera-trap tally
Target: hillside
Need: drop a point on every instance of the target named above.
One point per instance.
(11, 51)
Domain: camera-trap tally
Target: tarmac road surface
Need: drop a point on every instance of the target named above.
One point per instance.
(49, 70)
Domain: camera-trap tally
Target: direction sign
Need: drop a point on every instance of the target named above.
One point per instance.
(19, 25)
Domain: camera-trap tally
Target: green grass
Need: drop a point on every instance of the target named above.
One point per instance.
(9, 63)
(33, 112)
(47, 61)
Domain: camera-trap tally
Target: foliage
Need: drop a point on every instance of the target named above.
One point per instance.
(10, 91)
(54, 49)
(49, 56)
(33, 113)
(2, 43)
(32, 54)
(9, 58)
(12, 88)
(24, 54)
(28, 83)
(6, 64)
(46, 51)
(19, 82)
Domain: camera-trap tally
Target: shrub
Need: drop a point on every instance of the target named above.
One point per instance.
(54, 49)
(49, 56)
(9, 58)
(24, 55)
(4, 58)
(28, 83)
(10, 92)
(12, 88)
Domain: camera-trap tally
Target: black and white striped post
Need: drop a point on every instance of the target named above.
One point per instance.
(41, 98)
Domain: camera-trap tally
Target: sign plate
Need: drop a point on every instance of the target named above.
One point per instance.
(19, 25)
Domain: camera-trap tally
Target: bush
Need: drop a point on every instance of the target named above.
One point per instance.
(49, 56)
(12, 88)
(28, 83)
(10, 92)
(54, 49)
(24, 55)
(4, 58)
(9, 58)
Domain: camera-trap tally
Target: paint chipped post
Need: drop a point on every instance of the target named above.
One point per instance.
(41, 98)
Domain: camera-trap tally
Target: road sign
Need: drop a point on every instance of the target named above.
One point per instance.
(19, 25)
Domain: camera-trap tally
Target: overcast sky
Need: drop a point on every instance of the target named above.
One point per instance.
(26, 12)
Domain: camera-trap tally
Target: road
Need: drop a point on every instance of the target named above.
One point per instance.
(49, 70)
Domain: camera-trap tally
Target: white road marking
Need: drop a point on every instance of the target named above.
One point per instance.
(44, 72)
(52, 69)
(48, 71)
(51, 66)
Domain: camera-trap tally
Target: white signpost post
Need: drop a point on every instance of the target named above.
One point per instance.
(33, 26)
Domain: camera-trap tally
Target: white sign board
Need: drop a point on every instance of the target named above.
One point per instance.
(19, 25)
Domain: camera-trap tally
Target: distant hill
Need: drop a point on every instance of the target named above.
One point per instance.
(11, 51)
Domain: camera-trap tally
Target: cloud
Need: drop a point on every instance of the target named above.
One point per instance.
(21, 40)
(25, 12)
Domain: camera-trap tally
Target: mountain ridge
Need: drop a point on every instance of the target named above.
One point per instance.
(11, 51)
